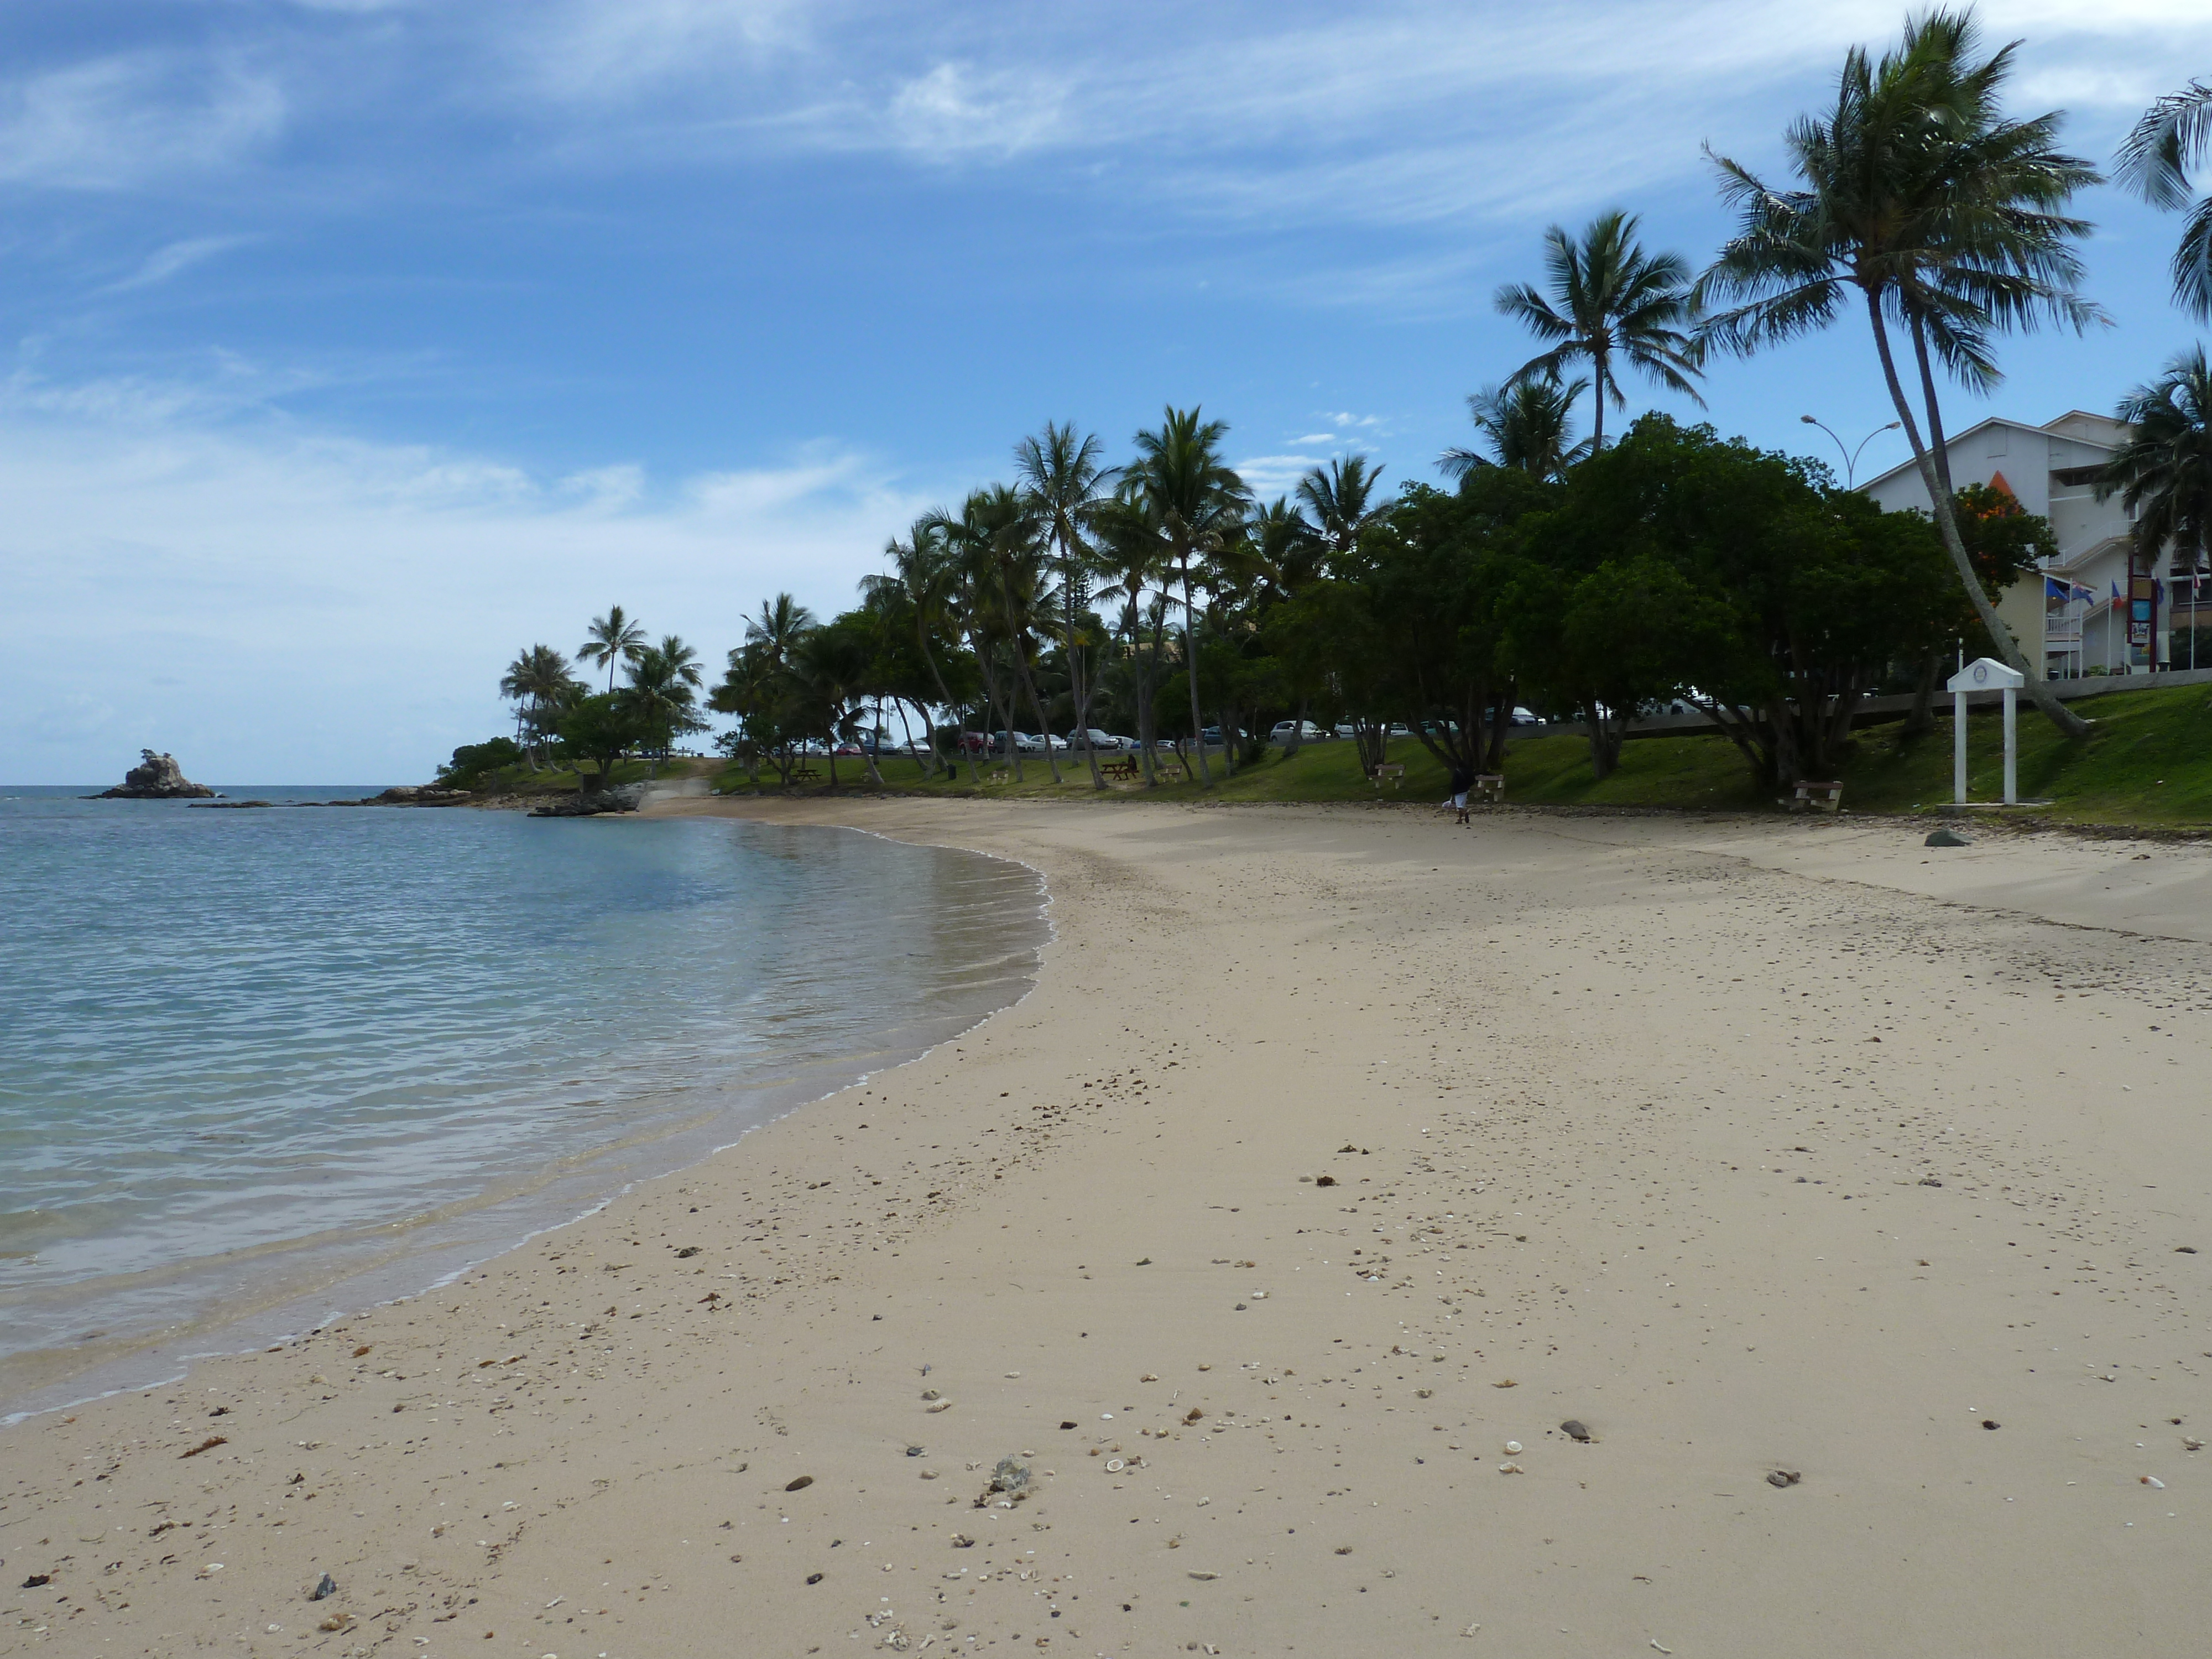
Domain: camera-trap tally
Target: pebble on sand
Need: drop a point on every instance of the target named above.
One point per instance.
(1575, 1429)
(325, 1586)
(801, 1484)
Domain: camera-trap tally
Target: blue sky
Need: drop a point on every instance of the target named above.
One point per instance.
(354, 344)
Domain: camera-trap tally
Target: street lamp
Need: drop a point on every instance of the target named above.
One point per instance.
(1851, 456)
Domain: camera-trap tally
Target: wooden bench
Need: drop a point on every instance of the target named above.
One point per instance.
(1392, 770)
(1817, 796)
(1489, 785)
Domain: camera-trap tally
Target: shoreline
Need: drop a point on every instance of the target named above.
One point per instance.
(1564, 1078)
(269, 1293)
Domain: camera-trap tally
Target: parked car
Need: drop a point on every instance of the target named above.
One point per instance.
(1103, 743)
(1347, 730)
(975, 742)
(1303, 731)
(1522, 717)
(1026, 743)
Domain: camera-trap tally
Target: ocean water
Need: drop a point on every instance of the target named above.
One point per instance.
(258, 1065)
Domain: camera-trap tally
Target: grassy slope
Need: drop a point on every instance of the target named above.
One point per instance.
(2149, 763)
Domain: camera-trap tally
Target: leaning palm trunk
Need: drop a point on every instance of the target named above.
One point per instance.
(1934, 473)
(990, 701)
(1036, 707)
(944, 701)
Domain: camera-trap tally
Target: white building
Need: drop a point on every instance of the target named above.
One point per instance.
(2096, 607)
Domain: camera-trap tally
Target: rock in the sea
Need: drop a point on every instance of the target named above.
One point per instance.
(422, 794)
(591, 803)
(156, 777)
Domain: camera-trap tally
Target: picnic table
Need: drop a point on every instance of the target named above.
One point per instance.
(1124, 768)
(1817, 795)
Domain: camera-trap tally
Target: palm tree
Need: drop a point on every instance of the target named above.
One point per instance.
(925, 573)
(1061, 475)
(1923, 201)
(782, 623)
(1609, 300)
(1197, 502)
(1526, 425)
(2175, 132)
(536, 681)
(1131, 556)
(664, 686)
(614, 640)
(1341, 499)
(2164, 471)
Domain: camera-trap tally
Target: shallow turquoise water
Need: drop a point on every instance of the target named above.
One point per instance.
(247, 1057)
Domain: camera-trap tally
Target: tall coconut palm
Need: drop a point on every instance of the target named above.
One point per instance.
(1527, 424)
(2164, 471)
(1061, 474)
(1197, 502)
(2175, 134)
(1609, 303)
(1342, 501)
(781, 624)
(1923, 203)
(612, 640)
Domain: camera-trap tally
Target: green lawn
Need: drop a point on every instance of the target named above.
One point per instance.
(2149, 763)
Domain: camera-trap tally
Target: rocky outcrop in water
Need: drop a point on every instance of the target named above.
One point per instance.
(420, 794)
(156, 777)
(591, 803)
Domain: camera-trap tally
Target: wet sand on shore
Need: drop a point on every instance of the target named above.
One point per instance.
(1336, 1150)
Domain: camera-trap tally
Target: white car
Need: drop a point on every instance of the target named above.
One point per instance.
(1303, 731)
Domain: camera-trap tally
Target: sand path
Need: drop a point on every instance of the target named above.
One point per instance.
(1752, 1147)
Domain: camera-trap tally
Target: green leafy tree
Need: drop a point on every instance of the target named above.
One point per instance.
(1922, 201)
(600, 729)
(1804, 592)
(1608, 303)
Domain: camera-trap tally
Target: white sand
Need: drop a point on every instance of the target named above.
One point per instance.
(1582, 1064)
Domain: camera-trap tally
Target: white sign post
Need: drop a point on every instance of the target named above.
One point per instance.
(1983, 674)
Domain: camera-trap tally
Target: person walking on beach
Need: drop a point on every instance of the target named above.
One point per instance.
(1461, 782)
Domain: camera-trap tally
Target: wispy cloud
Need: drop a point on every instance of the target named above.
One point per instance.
(119, 121)
(174, 257)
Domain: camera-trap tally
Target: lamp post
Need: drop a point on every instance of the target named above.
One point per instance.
(1850, 456)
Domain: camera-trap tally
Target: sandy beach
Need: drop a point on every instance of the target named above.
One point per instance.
(1338, 1159)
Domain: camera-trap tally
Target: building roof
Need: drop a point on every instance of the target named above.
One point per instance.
(2076, 425)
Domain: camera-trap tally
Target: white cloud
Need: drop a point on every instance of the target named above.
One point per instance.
(274, 603)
